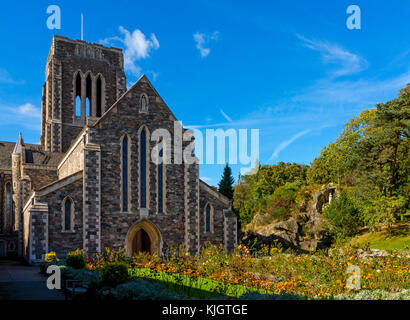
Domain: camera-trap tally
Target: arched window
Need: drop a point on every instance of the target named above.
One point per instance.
(208, 218)
(8, 204)
(99, 97)
(143, 169)
(160, 183)
(68, 214)
(78, 95)
(88, 96)
(125, 174)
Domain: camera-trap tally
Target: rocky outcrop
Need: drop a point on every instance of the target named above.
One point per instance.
(302, 232)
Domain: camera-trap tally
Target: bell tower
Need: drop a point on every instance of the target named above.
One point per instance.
(82, 81)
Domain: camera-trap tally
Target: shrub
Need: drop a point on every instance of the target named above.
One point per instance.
(343, 216)
(114, 273)
(51, 257)
(282, 202)
(142, 290)
(75, 259)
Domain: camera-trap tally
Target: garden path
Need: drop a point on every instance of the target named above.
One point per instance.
(20, 282)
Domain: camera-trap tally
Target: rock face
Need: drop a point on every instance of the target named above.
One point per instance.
(287, 231)
(302, 232)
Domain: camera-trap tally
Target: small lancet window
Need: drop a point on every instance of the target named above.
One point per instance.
(68, 210)
(78, 95)
(207, 219)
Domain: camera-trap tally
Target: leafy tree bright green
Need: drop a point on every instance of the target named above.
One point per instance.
(384, 211)
(253, 193)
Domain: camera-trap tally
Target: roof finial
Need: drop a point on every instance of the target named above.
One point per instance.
(82, 26)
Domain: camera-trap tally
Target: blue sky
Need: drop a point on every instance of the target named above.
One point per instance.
(291, 69)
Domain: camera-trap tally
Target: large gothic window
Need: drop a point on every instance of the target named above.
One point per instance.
(78, 95)
(143, 169)
(160, 183)
(88, 112)
(68, 213)
(8, 203)
(125, 174)
(99, 97)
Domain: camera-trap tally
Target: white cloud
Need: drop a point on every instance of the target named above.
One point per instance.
(136, 47)
(6, 78)
(206, 179)
(226, 116)
(347, 62)
(286, 143)
(27, 115)
(29, 110)
(202, 39)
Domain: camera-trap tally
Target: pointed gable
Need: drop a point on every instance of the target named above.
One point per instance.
(19, 145)
(141, 95)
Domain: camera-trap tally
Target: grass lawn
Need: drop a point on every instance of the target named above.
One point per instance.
(397, 239)
(197, 287)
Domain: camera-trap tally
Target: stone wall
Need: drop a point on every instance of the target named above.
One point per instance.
(73, 162)
(36, 232)
(40, 176)
(62, 241)
(213, 198)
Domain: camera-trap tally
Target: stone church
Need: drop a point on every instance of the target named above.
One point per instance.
(92, 183)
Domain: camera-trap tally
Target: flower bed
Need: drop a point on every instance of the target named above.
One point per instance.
(213, 273)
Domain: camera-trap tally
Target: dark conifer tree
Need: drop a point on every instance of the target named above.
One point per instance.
(225, 186)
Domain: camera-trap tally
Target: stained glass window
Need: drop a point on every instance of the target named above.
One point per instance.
(125, 174)
(160, 183)
(143, 169)
(8, 203)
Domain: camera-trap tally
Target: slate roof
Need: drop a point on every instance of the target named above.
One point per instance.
(34, 155)
(40, 157)
(6, 149)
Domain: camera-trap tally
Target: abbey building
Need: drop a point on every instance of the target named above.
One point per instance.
(92, 182)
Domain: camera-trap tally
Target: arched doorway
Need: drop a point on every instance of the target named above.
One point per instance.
(143, 236)
(141, 242)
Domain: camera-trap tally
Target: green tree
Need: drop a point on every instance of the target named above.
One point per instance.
(225, 186)
(343, 216)
(384, 211)
(337, 161)
(382, 157)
